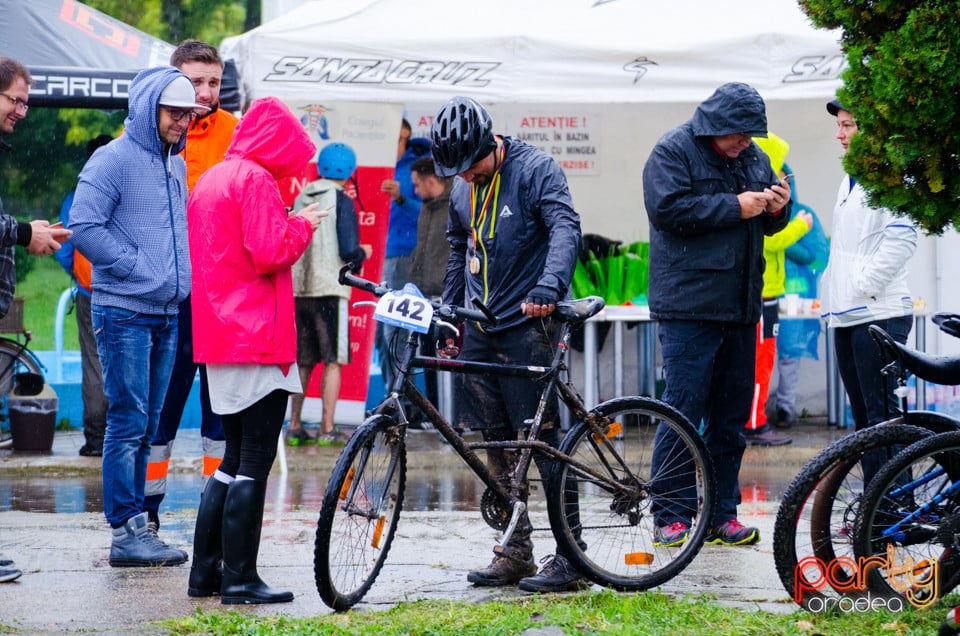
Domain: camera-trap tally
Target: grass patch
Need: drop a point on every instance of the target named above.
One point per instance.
(41, 291)
(605, 612)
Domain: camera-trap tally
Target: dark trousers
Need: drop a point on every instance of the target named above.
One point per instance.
(252, 435)
(91, 384)
(860, 361)
(709, 373)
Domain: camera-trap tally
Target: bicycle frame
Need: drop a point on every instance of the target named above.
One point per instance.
(403, 385)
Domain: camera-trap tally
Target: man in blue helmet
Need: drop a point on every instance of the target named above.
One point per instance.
(514, 239)
(323, 327)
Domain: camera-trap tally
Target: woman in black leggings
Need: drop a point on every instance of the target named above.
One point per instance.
(242, 246)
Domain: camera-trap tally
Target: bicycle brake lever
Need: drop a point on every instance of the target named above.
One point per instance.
(453, 328)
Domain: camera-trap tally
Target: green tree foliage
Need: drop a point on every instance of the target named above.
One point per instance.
(903, 87)
(50, 144)
(176, 20)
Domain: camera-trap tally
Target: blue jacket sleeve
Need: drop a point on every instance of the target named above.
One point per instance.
(348, 231)
(64, 255)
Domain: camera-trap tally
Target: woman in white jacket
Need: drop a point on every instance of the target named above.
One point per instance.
(866, 284)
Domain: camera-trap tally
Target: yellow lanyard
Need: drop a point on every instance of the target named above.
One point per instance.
(492, 192)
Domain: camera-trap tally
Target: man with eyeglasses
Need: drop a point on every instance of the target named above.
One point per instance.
(37, 236)
(129, 219)
(208, 137)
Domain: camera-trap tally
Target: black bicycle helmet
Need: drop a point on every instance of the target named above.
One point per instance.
(461, 135)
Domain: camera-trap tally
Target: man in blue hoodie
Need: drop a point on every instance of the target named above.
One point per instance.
(711, 196)
(129, 219)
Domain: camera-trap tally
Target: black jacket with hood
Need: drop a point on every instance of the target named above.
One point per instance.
(706, 263)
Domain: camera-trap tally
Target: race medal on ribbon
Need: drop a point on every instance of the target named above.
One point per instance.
(474, 265)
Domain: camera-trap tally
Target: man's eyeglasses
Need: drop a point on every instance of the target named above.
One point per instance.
(177, 115)
(18, 103)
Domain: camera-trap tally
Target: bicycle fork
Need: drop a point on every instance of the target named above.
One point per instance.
(519, 507)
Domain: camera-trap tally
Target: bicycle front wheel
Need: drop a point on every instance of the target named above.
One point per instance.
(910, 521)
(359, 513)
(650, 463)
(815, 522)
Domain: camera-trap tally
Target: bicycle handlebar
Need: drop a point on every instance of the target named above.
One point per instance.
(446, 312)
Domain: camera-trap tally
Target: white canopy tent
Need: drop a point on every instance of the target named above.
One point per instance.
(610, 75)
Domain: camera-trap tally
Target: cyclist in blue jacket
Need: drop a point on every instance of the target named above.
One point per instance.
(514, 238)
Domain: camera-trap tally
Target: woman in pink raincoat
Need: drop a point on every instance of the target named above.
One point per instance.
(242, 245)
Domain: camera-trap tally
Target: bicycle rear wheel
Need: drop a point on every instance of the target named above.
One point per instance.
(359, 513)
(602, 504)
(815, 522)
(911, 512)
(15, 360)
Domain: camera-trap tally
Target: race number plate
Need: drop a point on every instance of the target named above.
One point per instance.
(406, 309)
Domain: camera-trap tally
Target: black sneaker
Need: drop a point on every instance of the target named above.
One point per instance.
(763, 436)
(556, 575)
(732, 532)
(90, 450)
(785, 419)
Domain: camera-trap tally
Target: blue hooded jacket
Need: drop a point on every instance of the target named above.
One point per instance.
(129, 211)
(402, 226)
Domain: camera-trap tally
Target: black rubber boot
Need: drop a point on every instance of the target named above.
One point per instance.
(205, 572)
(242, 522)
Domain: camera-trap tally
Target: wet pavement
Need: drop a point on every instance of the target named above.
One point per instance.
(52, 525)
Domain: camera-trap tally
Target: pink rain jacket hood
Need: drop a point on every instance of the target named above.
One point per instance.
(242, 243)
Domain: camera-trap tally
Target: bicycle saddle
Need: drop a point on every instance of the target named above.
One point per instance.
(937, 369)
(948, 323)
(578, 310)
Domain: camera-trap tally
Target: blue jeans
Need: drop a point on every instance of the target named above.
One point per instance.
(709, 372)
(137, 353)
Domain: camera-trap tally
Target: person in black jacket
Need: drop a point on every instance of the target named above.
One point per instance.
(711, 196)
(514, 238)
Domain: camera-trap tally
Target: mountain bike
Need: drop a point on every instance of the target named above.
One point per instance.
(816, 521)
(909, 522)
(600, 494)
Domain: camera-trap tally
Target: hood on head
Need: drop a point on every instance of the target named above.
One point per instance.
(141, 121)
(733, 108)
(271, 135)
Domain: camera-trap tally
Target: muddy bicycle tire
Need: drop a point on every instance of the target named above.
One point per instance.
(359, 514)
(608, 533)
(818, 511)
(921, 481)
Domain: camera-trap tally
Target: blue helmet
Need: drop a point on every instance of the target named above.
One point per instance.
(336, 161)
